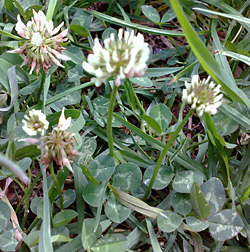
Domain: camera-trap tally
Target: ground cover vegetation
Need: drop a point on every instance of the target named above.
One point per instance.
(124, 125)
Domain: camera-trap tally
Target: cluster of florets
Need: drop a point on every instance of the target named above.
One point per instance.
(35, 123)
(124, 57)
(42, 45)
(57, 145)
(202, 95)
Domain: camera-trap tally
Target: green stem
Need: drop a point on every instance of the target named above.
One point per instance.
(177, 48)
(164, 151)
(138, 102)
(109, 120)
(41, 87)
(57, 185)
(29, 190)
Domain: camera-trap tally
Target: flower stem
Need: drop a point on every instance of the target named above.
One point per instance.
(164, 151)
(41, 86)
(109, 120)
(57, 185)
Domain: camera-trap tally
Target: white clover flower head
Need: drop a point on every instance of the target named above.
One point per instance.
(35, 123)
(202, 95)
(41, 47)
(123, 58)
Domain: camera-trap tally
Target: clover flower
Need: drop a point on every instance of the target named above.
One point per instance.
(125, 57)
(42, 45)
(35, 123)
(202, 95)
(58, 145)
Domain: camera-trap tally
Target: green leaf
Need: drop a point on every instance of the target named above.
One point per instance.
(13, 86)
(184, 180)
(88, 148)
(168, 16)
(163, 178)
(107, 33)
(34, 204)
(225, 225)
(91, 194)
(79, 30)
(199, 202)
(101, 105)
(115, 211)
(75, 54)
(63, 217)
(7, 241)
(162, 114)
(196, 224)
(110, 243)
(224, 124)
(169, 221)
(214, 194)
(127, 177)
(69, 197)
(89, 236)
(102, 167)
(4, 215)
(82, 18)
(181, 203)
(152, 123)
(142, 81)
(151, 13)
(74, 74)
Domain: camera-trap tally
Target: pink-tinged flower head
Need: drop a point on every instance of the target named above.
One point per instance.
(124, 57)
(42, 45)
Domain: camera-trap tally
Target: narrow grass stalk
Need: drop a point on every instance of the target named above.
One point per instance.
(138, 102)
(29, 190)
(109, 120)
(45, 243)
(164, 152)
(57, 185)
(40, 89)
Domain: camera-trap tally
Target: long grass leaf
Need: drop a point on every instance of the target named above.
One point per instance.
(135, 203)
(235, 115)
(155, 244)
(238, 18)
(138, 27)
(45, 243)
(51, 9)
